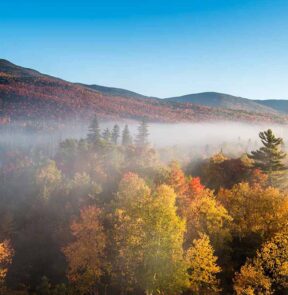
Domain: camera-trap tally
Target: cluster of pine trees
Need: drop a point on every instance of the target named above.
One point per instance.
(106, 216)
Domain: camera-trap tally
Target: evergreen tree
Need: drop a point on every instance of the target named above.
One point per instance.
(269, 157)
(94, 136)
(126, 137)
(142, 136)
(106, 135)
(115, 134)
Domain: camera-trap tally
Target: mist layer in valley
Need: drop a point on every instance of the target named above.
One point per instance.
(184, 141)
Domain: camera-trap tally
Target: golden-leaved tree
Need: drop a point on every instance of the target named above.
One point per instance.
(86, 255)
(203, 267)
(268, 271)
(254, 209)
(6, 254)
(148, 237)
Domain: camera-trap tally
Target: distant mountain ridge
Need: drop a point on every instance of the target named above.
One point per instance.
(221, 100)
(280, 105)
(116, 91)
(26, 94)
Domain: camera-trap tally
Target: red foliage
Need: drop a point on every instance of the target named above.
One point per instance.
(30, 95)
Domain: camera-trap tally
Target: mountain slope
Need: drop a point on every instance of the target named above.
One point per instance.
(279, 105)
(221, 100)
(26, 94)
(116, 91)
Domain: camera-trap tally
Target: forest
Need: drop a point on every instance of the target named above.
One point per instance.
(111, 214)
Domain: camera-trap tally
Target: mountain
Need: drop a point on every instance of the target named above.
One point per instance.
(279, 105)
(221, 100)
(26, 94)
(116, 91)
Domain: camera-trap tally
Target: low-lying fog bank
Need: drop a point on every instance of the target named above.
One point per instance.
(161, 136)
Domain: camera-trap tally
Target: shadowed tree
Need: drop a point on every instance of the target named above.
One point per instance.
(94, 136)
(142, 136)
(126, 137)
(106, 135)
(6, 254)
(115, 134)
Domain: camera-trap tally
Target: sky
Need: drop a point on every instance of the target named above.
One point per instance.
(157, 48)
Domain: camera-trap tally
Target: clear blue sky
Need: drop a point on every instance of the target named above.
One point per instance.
(160, 48)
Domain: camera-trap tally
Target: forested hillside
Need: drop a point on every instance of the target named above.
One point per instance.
(26, 94)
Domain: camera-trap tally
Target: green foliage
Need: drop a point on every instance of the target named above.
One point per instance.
(106, 135)
(115, 134)
(94, 136)
(126, 137)
(142, 135)
(269, 158)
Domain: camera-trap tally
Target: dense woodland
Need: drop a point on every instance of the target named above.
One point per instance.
(105, 215)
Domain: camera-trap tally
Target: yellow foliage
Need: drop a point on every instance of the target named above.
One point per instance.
(148, 238)
(254, 209)
(268, 271)
(86, 255)
(252, 281)
(202, 267)
(205, 215)
(6, 254)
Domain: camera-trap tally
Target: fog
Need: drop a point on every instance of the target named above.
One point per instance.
(218, 135)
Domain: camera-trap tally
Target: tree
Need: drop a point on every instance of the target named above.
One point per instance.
(269, 157)
(148, 237)
(142, 136)
(45, 287)
(177, 179)
(268, 271)
(86, 255)
(48, 177)
(273, 257)
(254, 209)
(258, 213)
(126, 137)
(202, 267)
(220, 171)
(106, 135)
(115, 134)
(6, 254)
(251, 280)
(94, 136)
(205, 215)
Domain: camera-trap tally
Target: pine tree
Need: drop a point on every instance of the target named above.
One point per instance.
(106, 135)
(115, 134)
(94, 136)
(142, 136)
(269, 157)
(126, 137)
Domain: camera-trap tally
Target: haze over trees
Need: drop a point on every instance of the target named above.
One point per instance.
(106, 215)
